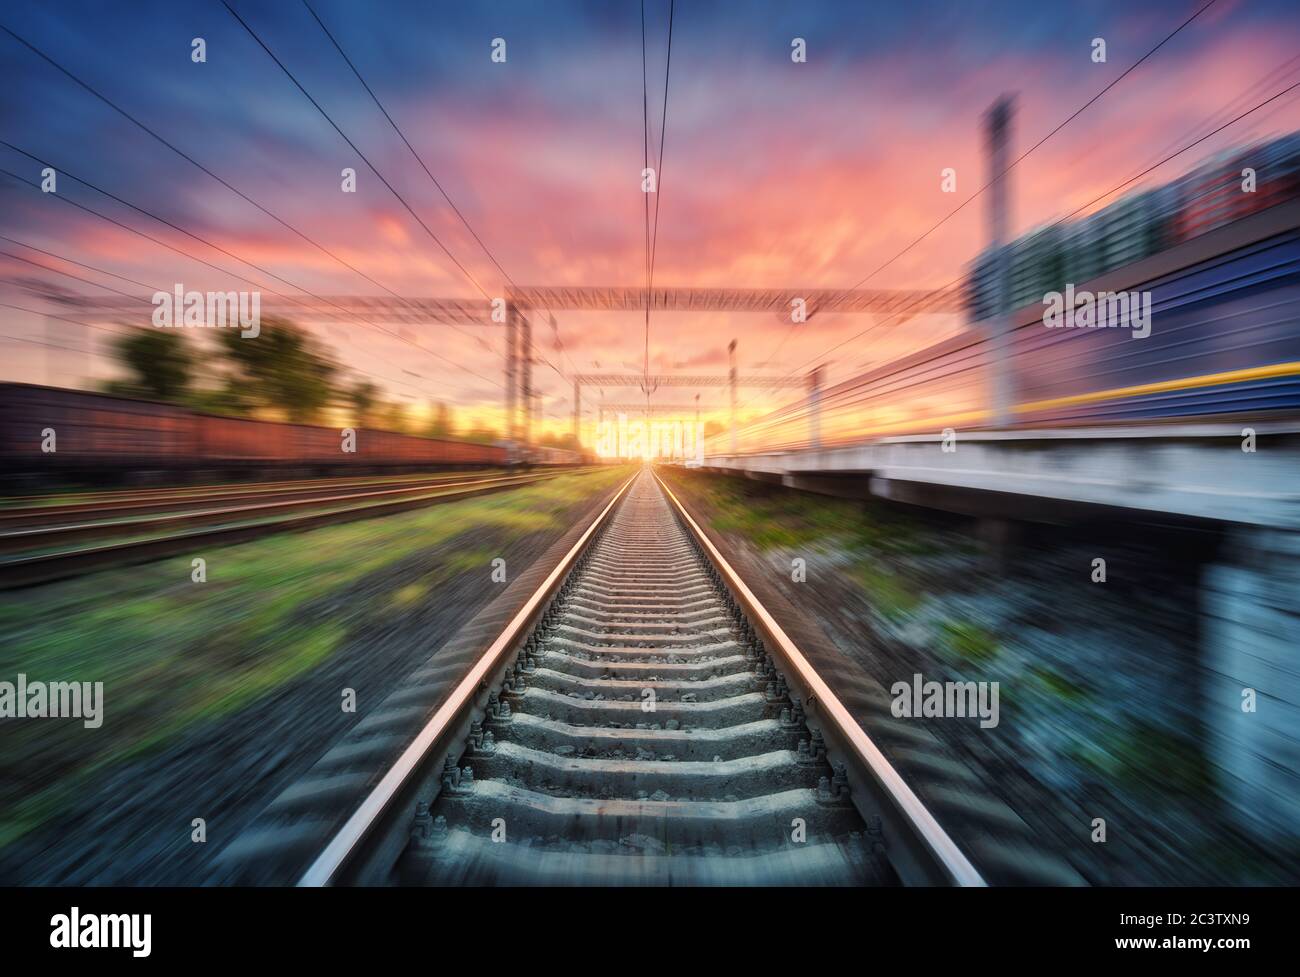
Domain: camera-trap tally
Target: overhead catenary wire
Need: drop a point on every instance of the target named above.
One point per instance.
(190, 159)
(216, 247)
(356, 149)
(1061, 125)
(1095, 200)
(100, 328)
(365, 159)
(645, 168)
(186, 254)
(423, 165)
(80, 264)
(652, 233)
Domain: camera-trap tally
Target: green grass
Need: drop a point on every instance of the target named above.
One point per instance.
(1146, 757)
(771, 518)
(1055, 684)
(173, 654)
(887, 593)
(968, 642)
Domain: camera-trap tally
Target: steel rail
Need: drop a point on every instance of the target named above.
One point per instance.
(344, 846)
(28, 569)
(938, 844)
(199, 514)
(50, 506)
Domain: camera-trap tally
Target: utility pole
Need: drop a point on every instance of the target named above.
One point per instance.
(512, 357)
(577, 409)
(998, 147)
(526, 383)
(731, 360)
(815, 408)
(697, 433)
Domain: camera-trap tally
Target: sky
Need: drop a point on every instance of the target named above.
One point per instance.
(774, 173)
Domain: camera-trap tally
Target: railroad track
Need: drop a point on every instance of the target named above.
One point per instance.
(43, 510)
(641, 720)
(40, 553)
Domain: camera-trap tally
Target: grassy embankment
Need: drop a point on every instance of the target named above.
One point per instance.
(173, 653)
(888, 557)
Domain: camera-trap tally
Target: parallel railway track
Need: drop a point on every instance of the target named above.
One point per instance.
(43, 551)
(37, 510)
(642, 719)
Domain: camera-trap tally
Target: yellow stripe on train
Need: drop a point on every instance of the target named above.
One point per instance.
(1185, 383)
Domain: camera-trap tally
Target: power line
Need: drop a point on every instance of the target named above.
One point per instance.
(1113, 190)
(127, 227)
(396, 128)
(89, 325)
(79, 278)
(59, 257)
(215, 247)
(645, 135)
(1074, 115)
(418, 158)
(233, 189)
(391, 189)
(226, 252)
(652, 241)
(162, 220)
(1197, 142)
(659, 173)
(225, 183)
(51, 315)
(37, 342)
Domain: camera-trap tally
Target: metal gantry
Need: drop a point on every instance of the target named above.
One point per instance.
(512, 308)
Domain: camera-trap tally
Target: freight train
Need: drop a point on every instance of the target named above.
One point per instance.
(52, 434)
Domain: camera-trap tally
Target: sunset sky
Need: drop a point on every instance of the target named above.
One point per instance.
(774, 174)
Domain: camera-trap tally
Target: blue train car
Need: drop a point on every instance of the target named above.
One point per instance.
(1224, 338)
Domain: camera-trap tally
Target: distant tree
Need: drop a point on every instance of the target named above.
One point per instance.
(393, 417)
(712, 427)
(481, 435)
(441, 425)
(283, 369)
(559, 441)
(160, 365)
(362, 396)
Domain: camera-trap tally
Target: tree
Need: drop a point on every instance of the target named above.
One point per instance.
(441, 425)
(393, 417)
(160, 364)
(363, 395)
(482, 435)
(566, 440)
(282, 368)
